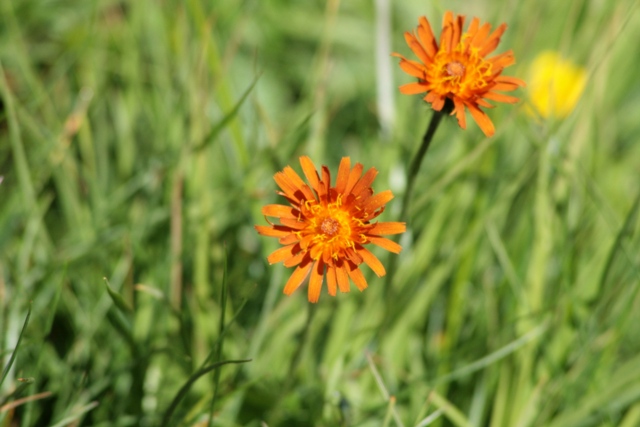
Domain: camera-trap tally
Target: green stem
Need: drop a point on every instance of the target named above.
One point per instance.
(417, 160)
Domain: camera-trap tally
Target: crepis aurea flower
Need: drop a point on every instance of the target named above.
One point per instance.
(459, 69)
(555, 85)
(326, 228)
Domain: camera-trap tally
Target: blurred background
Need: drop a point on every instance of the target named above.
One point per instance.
(138, 141)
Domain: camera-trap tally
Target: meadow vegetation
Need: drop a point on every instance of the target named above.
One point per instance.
(138, 143)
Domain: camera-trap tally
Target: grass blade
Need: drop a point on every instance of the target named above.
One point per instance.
(185, 388)
(15, 350)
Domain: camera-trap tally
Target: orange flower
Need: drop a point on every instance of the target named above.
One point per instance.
(459, 69)
(327, 227)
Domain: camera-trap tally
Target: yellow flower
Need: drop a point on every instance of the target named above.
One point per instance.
(555, 84)
(326, 228)
(459, 69)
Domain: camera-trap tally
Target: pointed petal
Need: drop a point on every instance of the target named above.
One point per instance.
(280, 211)
(510, 80)
(416, 47)
(478, 39)
(272, 231)
(315, 283)
(297, 277)
(385, 243)
(356, 275)
(283, 253)
(446, 36)
(365, 182)
(492, 42)
(498, 97)
(310, 172)
(413, 68)
(343, 174)
(354, 176)
(372, 261)
(297, 259)
(425, 33)
(343, 277)
(413, 88)
(460, 113)
(379, 200)
(332, 280)
(482, 119)
(380, 228)
(299, 184)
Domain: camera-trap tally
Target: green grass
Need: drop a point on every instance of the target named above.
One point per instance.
(138, 140)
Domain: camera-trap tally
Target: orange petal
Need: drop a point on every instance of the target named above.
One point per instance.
(280, 211)
(503, 60)
(460, 113)
(380, 199)
(510, 80)
(492, 42)
(413, 88)
(365, 182)
(272, 231)
(446, 36)
(372, 261)
(332, 281)
(315, 283)
(385, 243)
(482, 119)
(413, 68)
(343, 174)
(297, 277)
(288, 239)
(293, 223)
(287, 186)
(354, 176)
(295, 260)
(343, 277)
(428, 41)
(310, 172)
(358, 278)
(504, 87)
(326, 181)
(416, 47)
(283, 253)
(380, 228)
(471, 31)
(457, 30)
(498, 97)
(478, 39)
(298, 183)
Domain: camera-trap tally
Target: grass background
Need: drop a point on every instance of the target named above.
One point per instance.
(138, 140)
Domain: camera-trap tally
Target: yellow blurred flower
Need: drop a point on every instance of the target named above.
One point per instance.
(555, 84)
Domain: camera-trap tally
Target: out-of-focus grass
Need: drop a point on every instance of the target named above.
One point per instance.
(129, 153)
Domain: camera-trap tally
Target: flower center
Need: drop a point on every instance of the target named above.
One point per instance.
(330, 226)
(455, 69)
(461, 72)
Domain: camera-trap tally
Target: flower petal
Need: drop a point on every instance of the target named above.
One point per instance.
(343, 174)
(385, 243)
(315, 283)
(492, 42)
(372, 261)
(280, 211)
(413, 68)
(297, 277)
(272, 231)
(364, 182)
(358, 278)
(380, 228)
(427, 39)
(482, 119)
(310, 172)
(498, 97)
(332, 280)
(283, 253)
(343, 277)
(413, 88)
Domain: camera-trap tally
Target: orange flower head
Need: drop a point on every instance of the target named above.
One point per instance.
(458, 69)
(325, 229)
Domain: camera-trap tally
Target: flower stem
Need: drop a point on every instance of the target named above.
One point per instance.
(412, 173)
